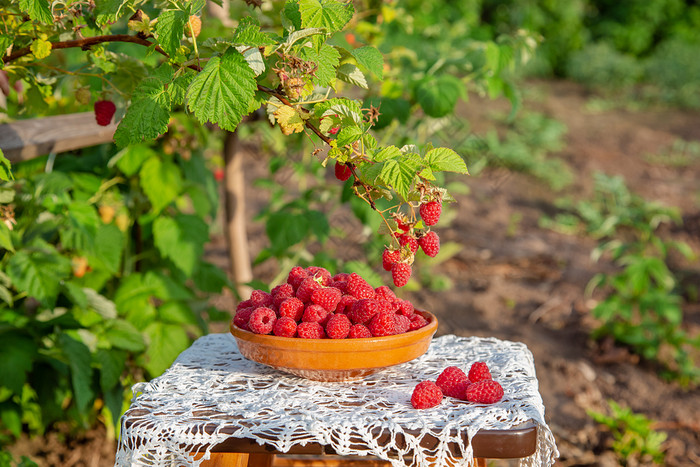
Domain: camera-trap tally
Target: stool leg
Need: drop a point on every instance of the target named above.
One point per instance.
(479, 462)
(226, 459)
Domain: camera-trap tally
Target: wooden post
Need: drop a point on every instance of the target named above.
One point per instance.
(235, 222)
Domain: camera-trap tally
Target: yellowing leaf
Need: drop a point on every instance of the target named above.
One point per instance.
(289, 119)
(41, 48)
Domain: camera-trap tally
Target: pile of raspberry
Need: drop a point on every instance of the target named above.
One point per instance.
(477, 386)
(312, 304)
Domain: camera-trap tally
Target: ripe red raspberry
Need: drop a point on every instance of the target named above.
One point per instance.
(285, 327)
(104, 111)
(486, 391)
(342, 171)
(292, 308)
(315, 314)
(430, 243)
(404, 307)
(262, 320)
(383, 324)
(338, 326)
(479, 371)
(426, 395)
(310, 331)
(340, 285)
(321, 275)
(389, 258)
(242, 317)
(363, 310)
(296, 276)
(341, 276)
(345, 303)
(430, 212)
(400, 273)
(384, 293)
(453, 382)
(403, 324)
(358, 331)
(385, 306)
(281, 293)
(327, 297)
(417, 322)
(358, 287)
(244, 304)
(410, 241)
(306, 289)
(260, 298)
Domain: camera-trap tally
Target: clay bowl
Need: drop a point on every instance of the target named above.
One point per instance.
(335, 359)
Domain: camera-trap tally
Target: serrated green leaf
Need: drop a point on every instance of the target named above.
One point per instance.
(148, 115)
(370, 58)
(176, 313)
(327, 59)
(39, 273)
(101, 304)
(329, 14)
(40, 48)
(390, 152)
(17, 356)
(79, 360)
(170, 29)
(223, 91)
(130, 159)
(109, 245)
(161, 181)
(5, 42)
(181, 239)
(248, 33)
(291, 16)
(254, 58)
(318, 222)
(348, 135)
(5, 168)
(438, 96)
(124, 335)
(178, 88)
(351, 74)
(80, 228)
(285, 229)
(399, 173)
(166, 341)
(167, 288)
(110, 10)
(6, 295)
(38, 10)
(445, 160)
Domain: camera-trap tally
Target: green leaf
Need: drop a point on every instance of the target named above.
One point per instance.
(124, 335)
(40, 48)
(5, 168)
(17, 356)
(167, 288)
(6, 295)
(370, 58)
(290, 16)
(318, 223)
(108, 249)
(166, 343)
(445, 160)
(39, 273)
(6, 237)
(209, 278)
(181, 239)
(438, 96)
(178, 88)
(111, 363)
(348, 135)
(130, 159)
(176, 313)
(161, 181)
(148, 115)
(329, 14)
(11, 419)
(110, 10)
(351, 74)
(170, 28)
(327, 59)
(79, 360)
(389, 152)
(223, 91)
(248, 33)
(400, 172)
(80, 227)
(101, 304)
(285, 229)
(38, 10)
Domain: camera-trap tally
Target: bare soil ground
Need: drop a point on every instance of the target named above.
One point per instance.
(516, 281)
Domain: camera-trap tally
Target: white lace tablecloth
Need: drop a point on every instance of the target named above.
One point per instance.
(210, 388)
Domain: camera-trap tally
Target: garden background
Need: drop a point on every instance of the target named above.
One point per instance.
(576, 232)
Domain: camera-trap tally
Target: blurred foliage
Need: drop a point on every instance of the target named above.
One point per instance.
(634, 438)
